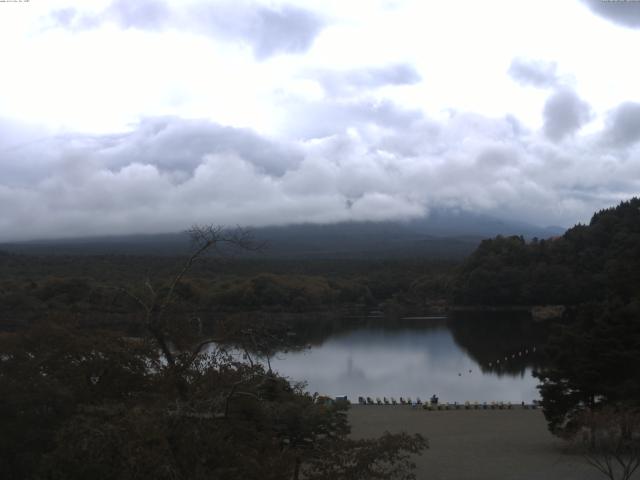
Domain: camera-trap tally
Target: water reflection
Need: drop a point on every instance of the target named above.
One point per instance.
(414, 358)
(504, 343)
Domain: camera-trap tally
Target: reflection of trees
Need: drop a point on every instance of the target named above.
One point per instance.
(338, 326)
(302, 330)
(295, 331)
(489, 337)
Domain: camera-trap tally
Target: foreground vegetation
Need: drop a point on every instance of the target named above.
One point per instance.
(83, 402)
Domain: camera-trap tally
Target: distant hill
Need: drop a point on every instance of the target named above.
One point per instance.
(443, 234)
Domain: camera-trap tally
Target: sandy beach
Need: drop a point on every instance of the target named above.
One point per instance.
(477, 444)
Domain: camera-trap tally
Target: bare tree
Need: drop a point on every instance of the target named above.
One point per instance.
(610, 441)
(155, 302)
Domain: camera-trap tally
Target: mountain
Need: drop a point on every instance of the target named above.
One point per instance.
(443, 234)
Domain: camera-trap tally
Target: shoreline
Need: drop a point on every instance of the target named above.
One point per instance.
(440, 406)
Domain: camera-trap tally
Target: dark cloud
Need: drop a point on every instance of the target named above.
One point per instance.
(141, 14)
(564, 114)
(623, 127)
(621, 12)
(284, 30)
(174, 144)
(533, 72)
(268, 30)
(497, 157)
(356, 80)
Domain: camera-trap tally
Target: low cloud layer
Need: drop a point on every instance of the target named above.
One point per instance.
(168, 173)
(268, 30)
(625, 13)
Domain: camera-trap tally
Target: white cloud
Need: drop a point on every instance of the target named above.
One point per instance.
(354, 81)
(150, 115)
(267, 29)
(534, 72)
(169, 173)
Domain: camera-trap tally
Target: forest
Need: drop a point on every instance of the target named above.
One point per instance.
(107, 369)
(122, 367)
(593, 262)
(590, 378)
(90, 287)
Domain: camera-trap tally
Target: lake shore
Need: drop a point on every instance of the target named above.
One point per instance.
(477, 444)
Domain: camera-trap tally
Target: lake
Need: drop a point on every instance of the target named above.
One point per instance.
(457, 359)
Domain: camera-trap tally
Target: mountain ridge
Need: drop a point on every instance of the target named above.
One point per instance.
(440, 234)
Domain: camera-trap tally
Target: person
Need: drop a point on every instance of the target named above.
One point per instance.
(434, 400)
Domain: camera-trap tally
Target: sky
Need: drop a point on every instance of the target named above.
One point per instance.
(146, 116)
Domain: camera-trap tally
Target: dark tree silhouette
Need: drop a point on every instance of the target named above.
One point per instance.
(171, 403)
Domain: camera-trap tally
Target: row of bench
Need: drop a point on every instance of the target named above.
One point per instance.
(435, 405)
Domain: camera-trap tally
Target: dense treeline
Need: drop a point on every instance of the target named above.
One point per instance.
(589, 262)
(593, 357)
(90, 288)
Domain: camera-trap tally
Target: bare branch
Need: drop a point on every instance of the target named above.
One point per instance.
(203, 239)
(197, 351)
(150, 287)
(208, 237)
(147, 308)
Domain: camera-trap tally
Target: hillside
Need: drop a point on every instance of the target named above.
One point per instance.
(593, 262)
(443, 234)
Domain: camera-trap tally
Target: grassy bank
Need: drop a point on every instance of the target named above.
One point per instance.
(477, 444)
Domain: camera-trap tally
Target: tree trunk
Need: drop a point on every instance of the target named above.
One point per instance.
(296, 469)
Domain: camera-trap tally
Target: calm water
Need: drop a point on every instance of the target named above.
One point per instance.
(418, 358)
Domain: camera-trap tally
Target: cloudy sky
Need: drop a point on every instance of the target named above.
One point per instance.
(123, 116)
